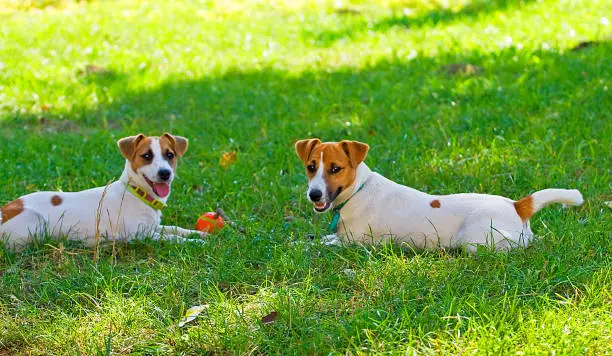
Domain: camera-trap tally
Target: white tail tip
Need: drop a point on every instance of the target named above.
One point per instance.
(545, 197)
(531, 204)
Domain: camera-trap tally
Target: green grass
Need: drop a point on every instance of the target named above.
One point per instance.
(253, 77)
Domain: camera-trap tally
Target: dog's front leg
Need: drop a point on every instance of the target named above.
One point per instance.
(179, 231)
(168, 235)
(331, 240)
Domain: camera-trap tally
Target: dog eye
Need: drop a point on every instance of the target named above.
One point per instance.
(148, 156)
(170, 155)
(335, 170)
(311, 168)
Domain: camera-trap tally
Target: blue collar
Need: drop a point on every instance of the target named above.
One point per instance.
(333, 224)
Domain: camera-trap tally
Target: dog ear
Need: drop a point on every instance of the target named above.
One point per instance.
(304, 147)
(179, 143)
(356, 151)
(127, 145)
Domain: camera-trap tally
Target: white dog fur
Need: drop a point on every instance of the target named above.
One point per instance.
(383, 209)
(113, 211)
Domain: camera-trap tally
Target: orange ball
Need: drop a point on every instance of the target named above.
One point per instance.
(210, 222)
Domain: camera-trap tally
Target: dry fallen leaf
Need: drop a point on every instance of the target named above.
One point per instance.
(270, 318)
(347, 11)
(227, 159)
(93, 69)
(191, 314)
(585, 45)
(462, 68)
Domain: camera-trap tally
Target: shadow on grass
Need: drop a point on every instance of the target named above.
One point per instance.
(426, 128)
(431, 18)
(525, 113)
(394, 97)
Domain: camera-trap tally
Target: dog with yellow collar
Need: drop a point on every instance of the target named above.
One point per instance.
(369, 208)
(126, 209)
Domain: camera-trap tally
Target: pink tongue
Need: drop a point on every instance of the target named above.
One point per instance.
(161, 189)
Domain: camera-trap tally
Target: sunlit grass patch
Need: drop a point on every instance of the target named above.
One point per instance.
(500, 97)
(11, 6)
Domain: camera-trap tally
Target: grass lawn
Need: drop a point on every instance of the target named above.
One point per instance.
(250, 78)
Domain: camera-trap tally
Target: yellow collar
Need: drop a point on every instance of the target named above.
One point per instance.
(146, 198)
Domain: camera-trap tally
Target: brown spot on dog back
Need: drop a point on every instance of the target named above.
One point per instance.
(11, 210)
(435, 204)
(524, 207)
(56, 200)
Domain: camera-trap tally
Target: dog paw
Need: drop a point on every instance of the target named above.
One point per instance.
(331, 240)
(196, 241)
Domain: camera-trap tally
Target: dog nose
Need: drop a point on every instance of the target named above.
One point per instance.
(315, 195)
(164, 174)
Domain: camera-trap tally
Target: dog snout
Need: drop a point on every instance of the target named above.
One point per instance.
(315, 195)
(164, 174)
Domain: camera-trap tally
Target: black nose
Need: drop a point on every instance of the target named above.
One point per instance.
(315, 195)
(164, 174)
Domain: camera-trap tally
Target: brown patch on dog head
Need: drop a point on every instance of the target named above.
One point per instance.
(56, 200)
(524, 208)
(143, 154)
(11, 210)
(304, 148)
(178, 143)
(340, 159)
(356, 151)
(173, 146)
(127, 145)
(137, 150)
(435, 204)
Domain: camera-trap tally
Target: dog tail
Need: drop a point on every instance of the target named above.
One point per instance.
(531, 204)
